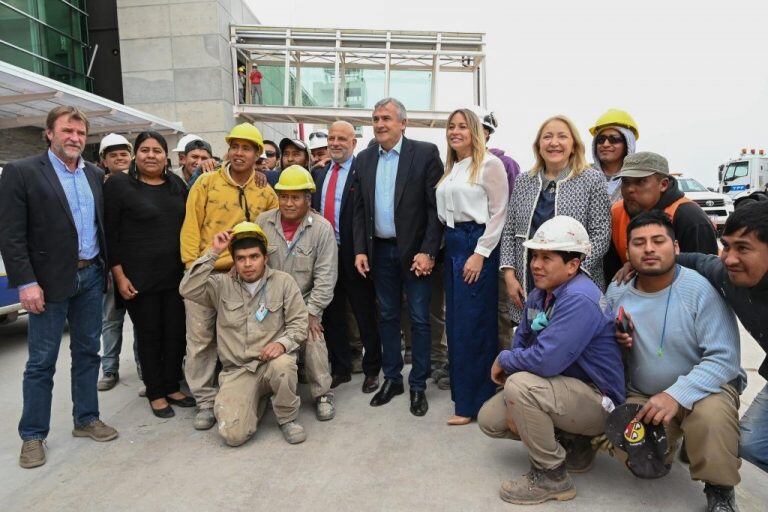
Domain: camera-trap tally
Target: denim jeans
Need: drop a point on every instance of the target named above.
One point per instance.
(112, 335)
(83, 312)
(389, 281)
(754, 431)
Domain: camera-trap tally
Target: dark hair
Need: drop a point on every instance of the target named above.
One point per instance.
(198, 144)
(652, 218)
(570, 255)
(177, 185)
(749, 217)
(249, 243)
(274, 145)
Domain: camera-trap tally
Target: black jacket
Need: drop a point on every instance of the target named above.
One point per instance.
(416, 224)
(38, 238)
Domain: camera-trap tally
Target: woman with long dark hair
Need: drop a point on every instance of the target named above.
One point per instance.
(144, 211)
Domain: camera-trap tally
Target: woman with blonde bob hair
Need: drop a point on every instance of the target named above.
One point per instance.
(472, 203)
(561, 183)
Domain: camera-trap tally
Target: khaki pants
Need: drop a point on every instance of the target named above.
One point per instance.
(537, 406)
(241, 401)
(506, 329)
(436, 318)
(711, 433)
(314, 358)
(200, 362)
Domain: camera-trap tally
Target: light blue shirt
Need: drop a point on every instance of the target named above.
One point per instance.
(81, 204)
(384, 197)
(340, 184)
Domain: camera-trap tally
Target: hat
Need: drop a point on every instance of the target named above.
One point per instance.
(318, 140)
(644, 443)
(642, 164)
(198, 144)
(184, 141)
(561, 233)
(292, 142)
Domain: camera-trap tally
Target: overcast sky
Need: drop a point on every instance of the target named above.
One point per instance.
(694, 77)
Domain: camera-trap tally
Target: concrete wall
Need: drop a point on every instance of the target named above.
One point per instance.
(21, 143)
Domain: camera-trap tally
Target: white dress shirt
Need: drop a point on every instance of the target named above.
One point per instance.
(484, 202)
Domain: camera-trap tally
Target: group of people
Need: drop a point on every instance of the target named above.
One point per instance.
(561, 292)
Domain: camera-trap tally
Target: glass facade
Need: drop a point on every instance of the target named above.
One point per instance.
(48, 37)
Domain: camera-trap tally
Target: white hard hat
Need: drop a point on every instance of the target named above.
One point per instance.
(561, 233)
(113, 139)
(486, 117)
(184, 141)
(318, 139)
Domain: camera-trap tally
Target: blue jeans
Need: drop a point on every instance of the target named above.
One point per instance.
(83, 312)
(389, 281)
(754, 431)
(112, 335)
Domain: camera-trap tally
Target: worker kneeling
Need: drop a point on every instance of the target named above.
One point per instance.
(261, 322)
(563, 372)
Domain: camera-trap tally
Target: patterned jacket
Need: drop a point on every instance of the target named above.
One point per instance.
(582, 197)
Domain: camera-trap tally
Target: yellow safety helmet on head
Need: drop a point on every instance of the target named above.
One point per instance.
(615, 117)
(295, 177)
(246, 131)
(247, 229)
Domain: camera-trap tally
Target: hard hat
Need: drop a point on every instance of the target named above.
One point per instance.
(113, 139)
(615, 117)
(246, 131)
(644, 443)
(295, 177)
(241, 68)
(247, 229)
(318, 140)
(184, 141)
(487, 118)
(561, 233)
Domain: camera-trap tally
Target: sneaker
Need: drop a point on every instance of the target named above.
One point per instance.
(293, 432)
(204, 419)
(32, 453)
(720, 498)
(96, 430)
(143, 391)
(108, 381)
(538, 486)
(579, 452)
(325, 409)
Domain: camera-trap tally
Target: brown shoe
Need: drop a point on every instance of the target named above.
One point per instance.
(538, 486)
(96, 430)
(32, 453)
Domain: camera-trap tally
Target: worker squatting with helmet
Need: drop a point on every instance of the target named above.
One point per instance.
(261, 321)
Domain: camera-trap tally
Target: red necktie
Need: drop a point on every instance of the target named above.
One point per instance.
(330, 196)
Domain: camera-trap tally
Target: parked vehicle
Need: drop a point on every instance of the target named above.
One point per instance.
(718, 206)
(745, 178)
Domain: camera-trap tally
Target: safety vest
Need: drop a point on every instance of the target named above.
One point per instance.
(620, 220)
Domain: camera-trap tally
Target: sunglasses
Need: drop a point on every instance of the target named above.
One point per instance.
(270, 154)
(613, 139)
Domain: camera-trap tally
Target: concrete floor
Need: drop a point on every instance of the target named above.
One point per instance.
(367, 459)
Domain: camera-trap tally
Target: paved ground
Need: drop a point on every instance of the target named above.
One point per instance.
(381, 459)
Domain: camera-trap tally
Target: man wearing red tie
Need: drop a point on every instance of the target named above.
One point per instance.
(334, 199)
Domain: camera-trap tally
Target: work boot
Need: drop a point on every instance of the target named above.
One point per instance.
(325, 409)
(96, 430)
(108, 381)
(579, 452)
(444, 383)
(32, 453)
(720, 498)
(538, 486)
(293, 432)
(204, 419)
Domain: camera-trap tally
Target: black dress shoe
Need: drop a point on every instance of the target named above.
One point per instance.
(165, 412)
(419, 405)
(387, 391)
(371, 383)
(187, 401)
(339, 379)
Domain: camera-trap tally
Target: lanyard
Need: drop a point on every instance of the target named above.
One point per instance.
(660, 351)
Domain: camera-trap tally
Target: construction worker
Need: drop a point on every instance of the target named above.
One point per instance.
(115, 153)
(261, 323)
(181, 153)
(217, 201)
(563, 371)
(318, 148)
(304, 246)
(615, 136)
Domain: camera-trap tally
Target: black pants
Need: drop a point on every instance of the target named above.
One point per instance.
(159, 321)
(359, 293)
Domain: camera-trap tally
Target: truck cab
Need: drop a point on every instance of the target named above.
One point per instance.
(745, 178)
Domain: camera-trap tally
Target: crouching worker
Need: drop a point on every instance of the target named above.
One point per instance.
(261, 321)
(564, 371)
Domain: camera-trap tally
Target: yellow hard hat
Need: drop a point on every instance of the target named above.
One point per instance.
(247, 229)
(295, 177)
(246, 131)
(615, 117)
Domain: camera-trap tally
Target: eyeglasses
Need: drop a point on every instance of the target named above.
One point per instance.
(270, 154)
(613, 139)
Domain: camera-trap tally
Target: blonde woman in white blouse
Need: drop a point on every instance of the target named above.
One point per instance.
(472, 203)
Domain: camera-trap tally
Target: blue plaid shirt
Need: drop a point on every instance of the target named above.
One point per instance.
(384, 196)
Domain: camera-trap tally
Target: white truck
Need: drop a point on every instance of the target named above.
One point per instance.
(745, 178)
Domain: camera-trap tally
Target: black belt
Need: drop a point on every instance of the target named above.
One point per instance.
(386, 240)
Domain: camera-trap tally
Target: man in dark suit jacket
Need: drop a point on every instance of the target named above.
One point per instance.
(397, 235)
(333, 199)
(52, 242)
